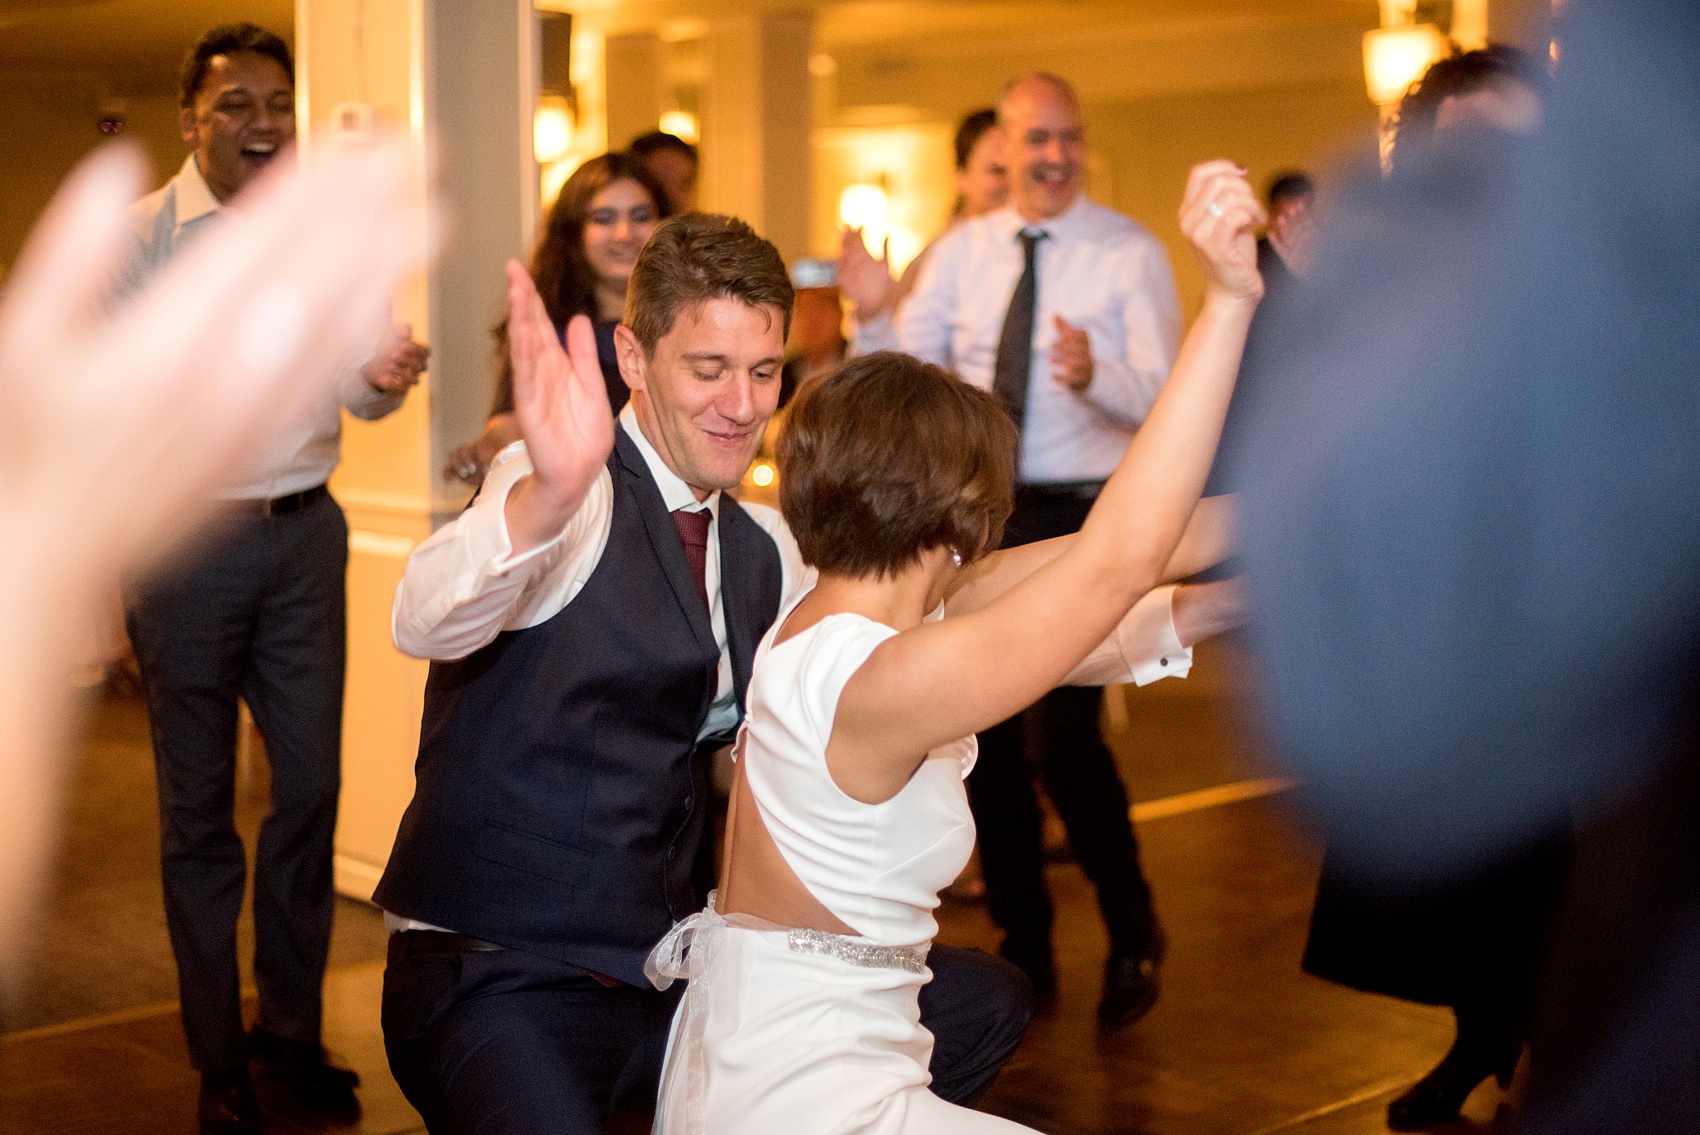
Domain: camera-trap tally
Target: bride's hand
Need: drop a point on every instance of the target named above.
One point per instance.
(1220, 215)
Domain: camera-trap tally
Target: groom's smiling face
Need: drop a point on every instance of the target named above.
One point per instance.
(704, 396)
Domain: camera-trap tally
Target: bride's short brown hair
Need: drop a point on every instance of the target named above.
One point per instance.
(889, 456)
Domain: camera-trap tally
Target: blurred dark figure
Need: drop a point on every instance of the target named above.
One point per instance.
(673, 162)
(1471, 488)
(1475, 943)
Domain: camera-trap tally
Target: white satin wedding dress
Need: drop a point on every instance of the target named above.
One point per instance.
(797, 1032)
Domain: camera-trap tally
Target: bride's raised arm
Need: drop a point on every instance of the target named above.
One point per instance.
(946, 679)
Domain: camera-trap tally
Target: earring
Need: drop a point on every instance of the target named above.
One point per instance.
(956, 557)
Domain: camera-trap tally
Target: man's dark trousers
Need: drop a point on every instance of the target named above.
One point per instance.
(524, 1045)
(258, 613)
(1080, 777)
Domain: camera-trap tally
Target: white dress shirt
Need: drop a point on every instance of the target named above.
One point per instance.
(1098, 270)
(465, 585)
(298, 455)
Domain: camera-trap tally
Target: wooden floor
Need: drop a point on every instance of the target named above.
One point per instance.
(1241, 1042)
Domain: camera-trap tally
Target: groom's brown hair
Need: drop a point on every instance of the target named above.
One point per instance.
(699, 257)
(890, 456)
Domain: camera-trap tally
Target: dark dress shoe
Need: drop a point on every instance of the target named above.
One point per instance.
(305, 1072)
(1439, 1096)
(228, 1105)
(1130, 981)
(1130, 989)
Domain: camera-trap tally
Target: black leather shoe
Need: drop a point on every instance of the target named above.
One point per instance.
(305, 1072)
(1130, 989)
(227, 1105)
(1131, 981)
(1439, 1096)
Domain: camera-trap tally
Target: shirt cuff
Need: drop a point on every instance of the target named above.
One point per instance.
(366, 401)
(489, 548)
(1149, 645)
(877, 334)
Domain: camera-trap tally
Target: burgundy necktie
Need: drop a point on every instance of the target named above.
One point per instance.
(693, 534)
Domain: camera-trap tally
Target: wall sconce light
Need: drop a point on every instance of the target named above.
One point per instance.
(1396, 57)
(552, 129)
(680, 124)
(864, 205)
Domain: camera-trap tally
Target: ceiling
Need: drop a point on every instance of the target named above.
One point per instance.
(144, 40)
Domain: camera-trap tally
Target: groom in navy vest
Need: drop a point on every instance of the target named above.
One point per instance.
(591, 620)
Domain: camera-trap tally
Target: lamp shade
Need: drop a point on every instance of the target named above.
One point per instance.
(863, 205)
(552, 130)
(1394, 58)
(680, 124)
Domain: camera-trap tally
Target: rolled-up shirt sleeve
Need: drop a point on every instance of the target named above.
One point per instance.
(465, 585)
(926, 322)
(1127, 377)
(366, 401)
(1142, 649)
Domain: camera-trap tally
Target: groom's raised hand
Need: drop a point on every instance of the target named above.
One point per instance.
(564, 416)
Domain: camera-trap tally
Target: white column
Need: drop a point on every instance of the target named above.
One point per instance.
(460, 73)
(634, 86)
(757, 123)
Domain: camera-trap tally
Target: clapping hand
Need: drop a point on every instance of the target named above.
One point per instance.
(1071, 356)
(561, 402)
(1219, 215)
(863, 280)
(396, 365)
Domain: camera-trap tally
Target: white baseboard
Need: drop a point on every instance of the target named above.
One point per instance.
(356, 878)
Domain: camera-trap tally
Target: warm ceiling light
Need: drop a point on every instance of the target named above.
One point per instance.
(762, 475)
(1394, 58)
(680, 124)
(552, 130)
(863, 205)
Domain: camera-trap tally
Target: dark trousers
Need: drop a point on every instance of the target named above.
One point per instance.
(507, 1043)
(1081, 779)
(260, 614)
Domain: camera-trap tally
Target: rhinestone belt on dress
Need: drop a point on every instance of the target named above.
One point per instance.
(910, 958)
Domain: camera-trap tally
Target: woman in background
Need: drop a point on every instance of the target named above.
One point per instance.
(602, 218)
(982, 184)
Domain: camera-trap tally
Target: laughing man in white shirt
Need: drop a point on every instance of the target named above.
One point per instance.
(1067, 310)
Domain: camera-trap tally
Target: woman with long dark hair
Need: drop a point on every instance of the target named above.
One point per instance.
(601, 220)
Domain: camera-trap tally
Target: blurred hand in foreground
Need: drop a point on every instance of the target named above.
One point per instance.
(116, 426)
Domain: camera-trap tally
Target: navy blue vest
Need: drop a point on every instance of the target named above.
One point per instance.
(560, 788)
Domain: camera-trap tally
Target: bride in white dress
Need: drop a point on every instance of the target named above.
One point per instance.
(848, 810)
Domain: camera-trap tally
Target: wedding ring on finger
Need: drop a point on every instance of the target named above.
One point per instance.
(1214, 210)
